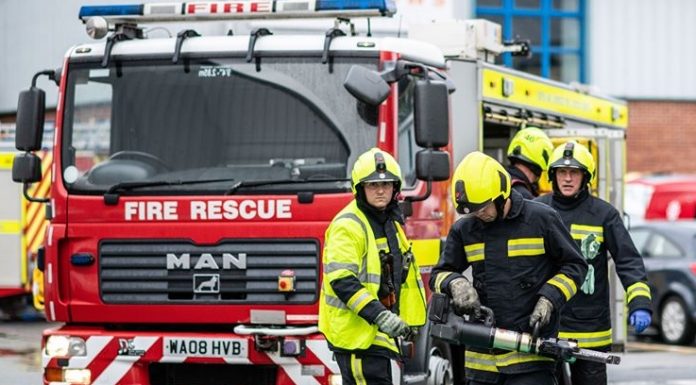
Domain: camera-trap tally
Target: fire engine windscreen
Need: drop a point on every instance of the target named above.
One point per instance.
(212, 119)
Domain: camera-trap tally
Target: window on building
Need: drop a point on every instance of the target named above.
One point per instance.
(555, 29)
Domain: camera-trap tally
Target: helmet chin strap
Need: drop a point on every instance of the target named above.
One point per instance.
(499, 203)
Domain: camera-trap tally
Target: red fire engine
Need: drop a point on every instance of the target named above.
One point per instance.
(194, 177)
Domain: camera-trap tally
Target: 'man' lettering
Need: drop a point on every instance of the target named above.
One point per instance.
(206, 261)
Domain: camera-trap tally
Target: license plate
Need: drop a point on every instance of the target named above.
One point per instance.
(206, 347)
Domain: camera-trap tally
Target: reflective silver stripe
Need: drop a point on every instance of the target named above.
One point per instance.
(475, 252)
(589, 339)
(581, 231)
(606, 339)
(335, 302)
(362, 275)
(561, 281)
(420, 283)
(358, 301)
(528, 246)
(514, 358)
(480, 361)
(374, 278)
(384, 340)
(638, 289)
(355, 218)
(586, 232)
(382, 243)
(335, 266)
(525, 247)
(439, 279)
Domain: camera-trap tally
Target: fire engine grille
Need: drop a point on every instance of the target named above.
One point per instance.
(230, 272)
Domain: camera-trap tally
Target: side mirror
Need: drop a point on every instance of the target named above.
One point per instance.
(31, 109)
(431, 114)
(26, 168)
(366, 85)
(432, 165)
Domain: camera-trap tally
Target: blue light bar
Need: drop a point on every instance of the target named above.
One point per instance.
(239, 9)
(110, 10)
(385, 6)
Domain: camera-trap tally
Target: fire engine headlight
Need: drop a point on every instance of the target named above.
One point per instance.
(65, 346)
(335, 379)
(77, 376)
(56, 376)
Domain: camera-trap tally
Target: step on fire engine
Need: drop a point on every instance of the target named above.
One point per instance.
(195, 177)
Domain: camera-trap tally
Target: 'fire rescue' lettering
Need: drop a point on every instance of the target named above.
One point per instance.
(247, 209)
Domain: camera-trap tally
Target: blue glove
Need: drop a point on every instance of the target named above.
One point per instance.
(640, 319)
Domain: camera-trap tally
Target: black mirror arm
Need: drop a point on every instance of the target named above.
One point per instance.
(402, 68)
(25, 190)
(418, 198)
(50, 73)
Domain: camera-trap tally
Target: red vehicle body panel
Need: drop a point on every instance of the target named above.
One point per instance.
(72, 294)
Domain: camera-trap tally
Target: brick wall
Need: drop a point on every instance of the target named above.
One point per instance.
(661, 136)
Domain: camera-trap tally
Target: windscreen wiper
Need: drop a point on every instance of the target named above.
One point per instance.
(267, 182)
(112, 194)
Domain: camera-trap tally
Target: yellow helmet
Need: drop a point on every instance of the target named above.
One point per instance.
(573, 155)
(477, 181)
(376, 165)
(531, 146)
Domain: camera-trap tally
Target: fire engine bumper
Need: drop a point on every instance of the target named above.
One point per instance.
(91, 356)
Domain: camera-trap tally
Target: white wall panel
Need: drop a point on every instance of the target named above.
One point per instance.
(643, 48)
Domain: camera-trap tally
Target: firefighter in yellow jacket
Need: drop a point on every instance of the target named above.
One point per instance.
(525, 267)
(598, 229)
(372, 293)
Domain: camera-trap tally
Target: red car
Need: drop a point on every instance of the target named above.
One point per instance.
(669, 197)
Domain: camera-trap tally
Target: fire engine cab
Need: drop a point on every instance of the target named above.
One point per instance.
(194, 178)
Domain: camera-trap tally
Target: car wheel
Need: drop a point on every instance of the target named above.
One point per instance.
(676, 326)
(440, 365)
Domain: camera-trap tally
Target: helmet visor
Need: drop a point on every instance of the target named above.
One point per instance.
(469, 208)
(380, 177)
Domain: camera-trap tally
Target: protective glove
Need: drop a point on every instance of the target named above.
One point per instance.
(640, 319)
(464, 297)
(390, 323)
(542, 312)
(411, 334)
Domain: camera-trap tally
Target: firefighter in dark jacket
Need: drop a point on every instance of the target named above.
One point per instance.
(372, 292)
(597, 228)
(524, 265)
(528, 153)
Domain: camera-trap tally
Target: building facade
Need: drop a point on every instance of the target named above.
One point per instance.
(638, 50)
